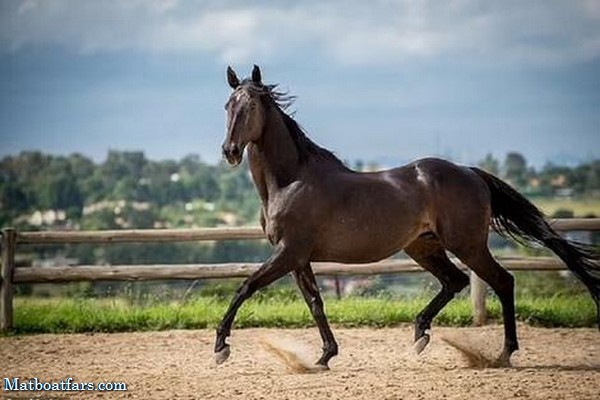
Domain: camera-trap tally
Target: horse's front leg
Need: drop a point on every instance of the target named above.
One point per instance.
(278, 265)
(310, 291)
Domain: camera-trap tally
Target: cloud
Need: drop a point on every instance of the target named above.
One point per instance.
(362, 33)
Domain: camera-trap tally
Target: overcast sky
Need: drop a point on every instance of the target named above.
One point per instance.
(388, 81)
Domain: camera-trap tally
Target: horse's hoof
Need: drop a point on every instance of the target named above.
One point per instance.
(321, 367)
(502, 362)
(421, 343)
(222, 355)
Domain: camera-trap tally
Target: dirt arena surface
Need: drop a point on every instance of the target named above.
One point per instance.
(373, 364)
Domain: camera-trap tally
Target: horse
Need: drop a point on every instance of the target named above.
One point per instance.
(314, 208)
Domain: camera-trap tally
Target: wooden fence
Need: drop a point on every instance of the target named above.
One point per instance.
(11, 239)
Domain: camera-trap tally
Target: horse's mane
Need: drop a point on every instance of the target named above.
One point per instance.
(304, 145)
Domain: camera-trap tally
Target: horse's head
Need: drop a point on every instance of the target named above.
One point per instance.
(245, 114)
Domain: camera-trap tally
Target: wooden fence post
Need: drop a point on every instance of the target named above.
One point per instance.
(338, 289)
(9, 236)
(478, 291)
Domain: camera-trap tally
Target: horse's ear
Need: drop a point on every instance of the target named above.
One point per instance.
(256, 78)
(232, 78)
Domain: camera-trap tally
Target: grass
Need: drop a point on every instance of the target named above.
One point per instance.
(69, 315)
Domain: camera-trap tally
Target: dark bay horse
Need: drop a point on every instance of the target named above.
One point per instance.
(316, 209)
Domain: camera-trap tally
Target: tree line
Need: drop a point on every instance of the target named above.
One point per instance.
(36, 181)
(550, 180)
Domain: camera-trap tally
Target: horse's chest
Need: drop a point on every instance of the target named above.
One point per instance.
(271, 231)
(284, 211)
(275, 222)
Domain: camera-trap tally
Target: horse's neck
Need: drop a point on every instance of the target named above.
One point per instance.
(274, 161)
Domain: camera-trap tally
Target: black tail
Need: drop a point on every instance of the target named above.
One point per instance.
(514, 216)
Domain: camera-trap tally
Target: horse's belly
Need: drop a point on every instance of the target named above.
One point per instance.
(353, 256)
(366, 242)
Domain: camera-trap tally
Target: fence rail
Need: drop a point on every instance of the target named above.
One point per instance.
(239, 270)
(11, 275)
(141, 235)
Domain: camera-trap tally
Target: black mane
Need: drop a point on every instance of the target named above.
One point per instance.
(307, 148)
(304, 145)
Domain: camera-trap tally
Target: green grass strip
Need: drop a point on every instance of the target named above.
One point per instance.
(69, 315)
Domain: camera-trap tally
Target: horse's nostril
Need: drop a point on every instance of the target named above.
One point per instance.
(231, 151)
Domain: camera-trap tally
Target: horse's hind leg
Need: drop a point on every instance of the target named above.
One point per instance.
(503, 284)
(428, 252)
(310, 291)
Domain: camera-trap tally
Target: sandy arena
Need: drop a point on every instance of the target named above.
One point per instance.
(373, 364)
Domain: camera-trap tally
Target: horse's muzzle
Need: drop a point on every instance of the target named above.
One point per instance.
(233, 154)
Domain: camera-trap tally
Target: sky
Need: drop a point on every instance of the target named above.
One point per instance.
(386, 81)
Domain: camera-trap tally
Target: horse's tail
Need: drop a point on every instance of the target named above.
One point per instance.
(515, 217)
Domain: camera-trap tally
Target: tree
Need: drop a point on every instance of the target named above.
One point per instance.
(81, 166)
(554, 177)
(515, 169)
(489, 164)
(12, 197)
(60, 192)
(585, 178)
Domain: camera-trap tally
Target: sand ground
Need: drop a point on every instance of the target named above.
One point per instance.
(373, 364)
